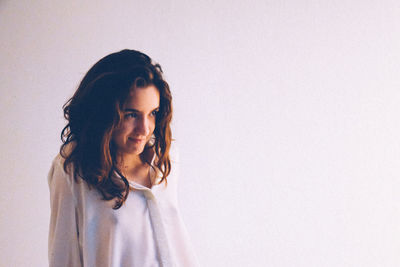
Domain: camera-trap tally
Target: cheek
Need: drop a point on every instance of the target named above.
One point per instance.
(120, 133)
(116, 137)
(126, 128)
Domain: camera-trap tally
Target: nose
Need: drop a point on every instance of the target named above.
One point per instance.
(142, 126)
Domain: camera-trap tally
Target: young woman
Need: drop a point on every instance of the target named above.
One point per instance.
(113, 185)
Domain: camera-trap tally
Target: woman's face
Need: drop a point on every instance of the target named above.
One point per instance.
(139, 121)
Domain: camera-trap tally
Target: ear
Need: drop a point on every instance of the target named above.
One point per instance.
(152, 141)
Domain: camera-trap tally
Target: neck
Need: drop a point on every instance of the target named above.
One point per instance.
(126, 162)
(129, 162)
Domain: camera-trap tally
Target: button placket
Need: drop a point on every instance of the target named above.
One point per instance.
(158, 226)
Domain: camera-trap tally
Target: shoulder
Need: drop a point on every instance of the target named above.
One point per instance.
(56, 164)
(57, 177)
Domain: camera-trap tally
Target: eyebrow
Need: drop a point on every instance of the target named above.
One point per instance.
(135, 110)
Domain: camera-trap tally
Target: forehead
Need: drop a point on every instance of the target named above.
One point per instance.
(143, 99)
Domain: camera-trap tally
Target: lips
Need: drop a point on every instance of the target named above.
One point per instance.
(136, 140)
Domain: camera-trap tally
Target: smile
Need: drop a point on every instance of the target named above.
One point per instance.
(135, 140)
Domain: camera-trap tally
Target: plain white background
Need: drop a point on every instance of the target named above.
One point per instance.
(286, 115)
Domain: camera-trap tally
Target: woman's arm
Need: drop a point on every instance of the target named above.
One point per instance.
(63, 232)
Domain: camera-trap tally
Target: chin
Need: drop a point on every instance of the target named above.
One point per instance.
(137, 150)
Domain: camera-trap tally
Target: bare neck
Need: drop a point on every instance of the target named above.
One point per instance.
(129, 163)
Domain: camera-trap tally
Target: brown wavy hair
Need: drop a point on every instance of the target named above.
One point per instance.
(96, 110)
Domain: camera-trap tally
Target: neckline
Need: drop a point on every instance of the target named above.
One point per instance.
(154, 177)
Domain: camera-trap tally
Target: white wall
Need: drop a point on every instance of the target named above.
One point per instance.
(286, 112)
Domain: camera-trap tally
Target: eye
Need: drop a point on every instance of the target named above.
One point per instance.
(154, 113)
(131, 115)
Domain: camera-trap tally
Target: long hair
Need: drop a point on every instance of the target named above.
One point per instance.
(96, 110)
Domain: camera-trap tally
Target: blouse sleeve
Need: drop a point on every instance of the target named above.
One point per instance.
(63, 230)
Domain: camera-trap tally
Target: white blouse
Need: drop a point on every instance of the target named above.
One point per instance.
(146, 231)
